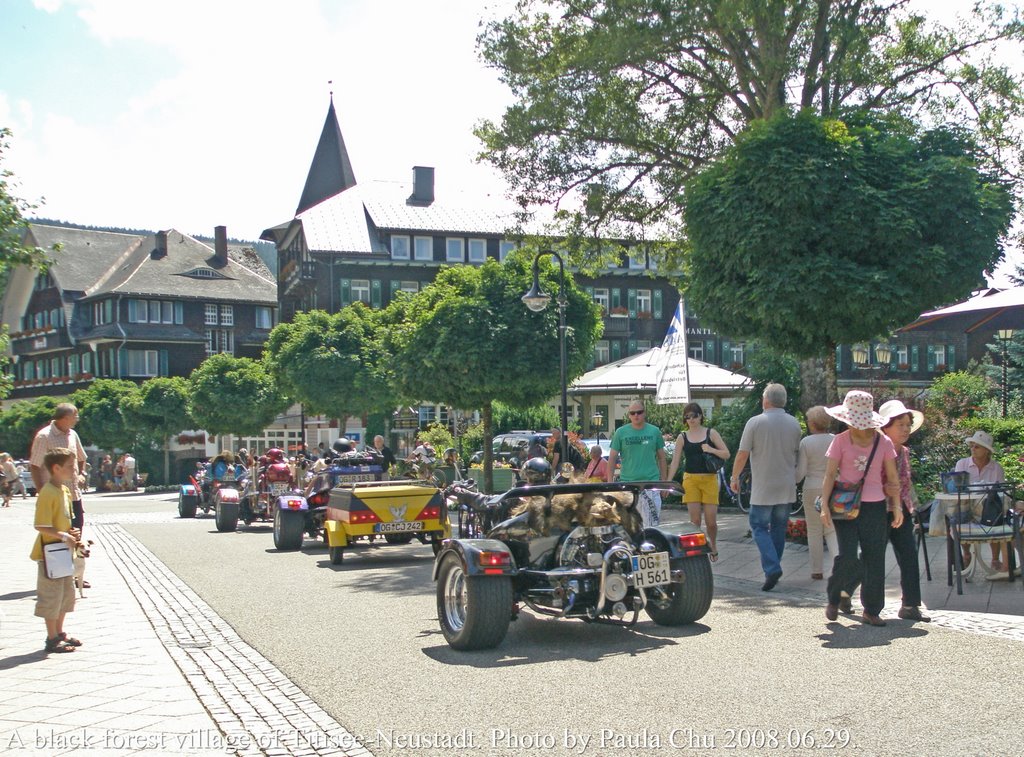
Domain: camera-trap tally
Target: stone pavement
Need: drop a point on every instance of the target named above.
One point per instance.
(158, 673)
(987, 607)
(161, 673)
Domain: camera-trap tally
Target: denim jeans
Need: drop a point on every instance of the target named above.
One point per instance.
(768, 527)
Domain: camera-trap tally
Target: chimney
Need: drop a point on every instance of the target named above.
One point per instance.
(422, 186)
(220, 245)
(160, 250)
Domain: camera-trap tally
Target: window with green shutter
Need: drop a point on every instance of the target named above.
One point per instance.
(345, 292)
(164, 371)
(931, 358)
(616, 298)
(726, 356)
(657, 303)
(950, 362)
(631, 303)
(376, 295)
(709, 351)
(915, 360)
(631, 346)
(616, 346)
(179, 312)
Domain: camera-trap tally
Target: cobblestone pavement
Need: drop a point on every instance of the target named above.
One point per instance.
(252, 702)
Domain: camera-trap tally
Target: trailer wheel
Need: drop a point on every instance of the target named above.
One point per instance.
(474, 611)
(398, 538)
(288, 529)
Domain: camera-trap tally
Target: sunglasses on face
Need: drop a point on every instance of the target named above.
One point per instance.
(636, 412)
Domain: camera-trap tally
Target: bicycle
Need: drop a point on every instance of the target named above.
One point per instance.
(741, 499)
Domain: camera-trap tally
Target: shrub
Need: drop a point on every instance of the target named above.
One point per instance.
(958, 395)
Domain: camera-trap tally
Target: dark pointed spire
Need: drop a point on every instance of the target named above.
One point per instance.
(331, 171)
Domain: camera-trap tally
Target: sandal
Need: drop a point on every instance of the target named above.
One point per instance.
(71, 641)
(56, 645)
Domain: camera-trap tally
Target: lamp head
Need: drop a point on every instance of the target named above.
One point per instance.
(535, 299)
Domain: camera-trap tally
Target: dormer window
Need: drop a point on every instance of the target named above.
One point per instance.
(204, 273)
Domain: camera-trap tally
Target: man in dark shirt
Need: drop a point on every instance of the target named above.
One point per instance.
(385, 451)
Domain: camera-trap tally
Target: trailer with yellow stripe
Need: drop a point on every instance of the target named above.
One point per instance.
(387, 512)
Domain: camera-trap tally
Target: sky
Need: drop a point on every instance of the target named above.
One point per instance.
(190, 114)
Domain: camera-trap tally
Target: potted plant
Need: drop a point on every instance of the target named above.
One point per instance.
(903, 366)
(619, 312)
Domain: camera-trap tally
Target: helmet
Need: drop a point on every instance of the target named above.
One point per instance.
(537, 470)
(449, 454)
(275, 455)
(342, 445)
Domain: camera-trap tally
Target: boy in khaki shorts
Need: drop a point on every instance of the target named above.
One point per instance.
(55, 597)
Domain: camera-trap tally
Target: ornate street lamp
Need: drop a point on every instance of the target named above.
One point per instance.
(861, 354)
(537, 300)
(597, 421)
(1004, 336)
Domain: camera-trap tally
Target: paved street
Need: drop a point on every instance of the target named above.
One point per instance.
(281, 653)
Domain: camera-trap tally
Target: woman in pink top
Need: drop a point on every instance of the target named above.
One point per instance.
(597, 466)
(848, 458)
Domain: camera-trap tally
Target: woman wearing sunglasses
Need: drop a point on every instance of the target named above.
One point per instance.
(700, 481)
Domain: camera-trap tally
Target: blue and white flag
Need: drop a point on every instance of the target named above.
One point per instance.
(673, 373)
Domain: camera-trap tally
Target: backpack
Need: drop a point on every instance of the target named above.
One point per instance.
(574, 456)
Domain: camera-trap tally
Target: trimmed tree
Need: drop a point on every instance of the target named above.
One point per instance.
(330, 363)
(811, 232)
(160, 411)
(101, 420)
(467, 340)
(20, 422)
(233, 395)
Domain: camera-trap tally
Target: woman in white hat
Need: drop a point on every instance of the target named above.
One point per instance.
(861, 454)
(900, 423)
(981, 468)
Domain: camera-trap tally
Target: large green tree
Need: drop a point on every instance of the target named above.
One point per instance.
(625, 101)
(20, 422)
(13, 250)
(101, 420)
(331, 363)
(618, 105)
(811, 232)
(467, 339)
(160, 410)
(233, 395)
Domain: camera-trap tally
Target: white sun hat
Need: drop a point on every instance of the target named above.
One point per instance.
(895, 408)
(857, 411)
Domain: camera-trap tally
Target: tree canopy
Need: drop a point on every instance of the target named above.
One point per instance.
(331, 363)
(623, 102)
(160, 410)
(812, 232)
(467, 339)
(13, 250)
(233, 395)
(101, 420)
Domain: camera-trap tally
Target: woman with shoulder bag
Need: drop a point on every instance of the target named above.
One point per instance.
(858, 457)
(700, 447)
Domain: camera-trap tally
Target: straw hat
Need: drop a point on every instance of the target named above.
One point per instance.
(857, 411)
(895, 408)
(982, 439)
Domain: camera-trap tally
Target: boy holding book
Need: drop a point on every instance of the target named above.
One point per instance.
(55, 597)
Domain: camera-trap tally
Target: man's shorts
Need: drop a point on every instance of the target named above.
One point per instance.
(700, 487)
(53, 595)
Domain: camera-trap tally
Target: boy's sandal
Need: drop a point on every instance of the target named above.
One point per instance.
(71, 641)
(56, 645)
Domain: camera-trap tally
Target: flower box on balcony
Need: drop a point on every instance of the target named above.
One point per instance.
(644, 315)
(619, 312)
(903, 366)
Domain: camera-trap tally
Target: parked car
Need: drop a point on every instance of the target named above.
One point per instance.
(568, 551)
(504, 447)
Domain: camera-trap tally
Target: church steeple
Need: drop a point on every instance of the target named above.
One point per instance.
(331, 171)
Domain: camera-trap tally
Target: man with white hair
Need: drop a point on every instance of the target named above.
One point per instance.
(771, 441)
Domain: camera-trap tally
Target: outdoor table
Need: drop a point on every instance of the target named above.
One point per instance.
(971, 503)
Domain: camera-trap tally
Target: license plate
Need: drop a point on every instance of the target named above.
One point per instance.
(651, 569)
(355, 478)
(401, 526)
(278, 488)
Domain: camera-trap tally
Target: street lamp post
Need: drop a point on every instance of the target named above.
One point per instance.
(1004, 336)
(597, 421)
(861, 354)
(536, 300)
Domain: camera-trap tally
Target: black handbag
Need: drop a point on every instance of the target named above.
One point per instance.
(712, 462)
(992, 511)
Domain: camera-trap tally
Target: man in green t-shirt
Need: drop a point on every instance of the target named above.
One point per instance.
(642, 449)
